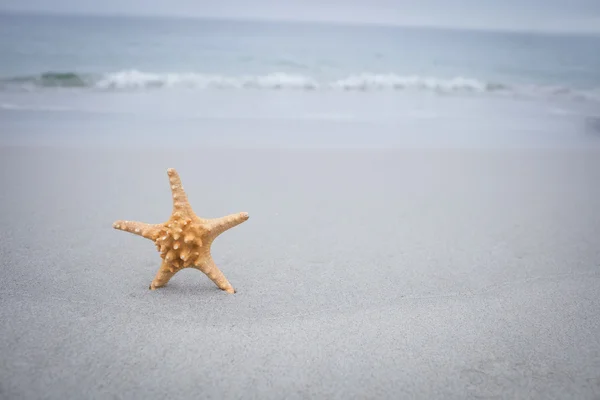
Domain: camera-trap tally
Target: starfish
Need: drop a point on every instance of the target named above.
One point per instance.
(185, 239)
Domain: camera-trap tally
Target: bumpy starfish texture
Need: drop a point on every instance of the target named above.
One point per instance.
(185, 239)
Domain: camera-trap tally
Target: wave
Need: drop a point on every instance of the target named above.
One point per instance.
(137, 80)
(51, 79)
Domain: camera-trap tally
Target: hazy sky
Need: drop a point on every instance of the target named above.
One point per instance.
(552, 15)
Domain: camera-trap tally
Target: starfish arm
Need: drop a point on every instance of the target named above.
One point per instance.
(180, 200)
(219, 225)
(163, 276)
(149, 231)
(210, 269)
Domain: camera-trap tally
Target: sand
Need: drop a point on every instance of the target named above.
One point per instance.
(434, 274)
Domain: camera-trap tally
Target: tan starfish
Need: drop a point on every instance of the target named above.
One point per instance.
(185, 239)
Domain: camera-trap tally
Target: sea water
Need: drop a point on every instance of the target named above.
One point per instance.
(106, 81)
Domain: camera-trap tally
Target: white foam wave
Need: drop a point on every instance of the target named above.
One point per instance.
(137, 80)
(391, 81)
(133, 79)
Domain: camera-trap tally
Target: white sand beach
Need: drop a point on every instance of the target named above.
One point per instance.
(423, 199)
(426, 273)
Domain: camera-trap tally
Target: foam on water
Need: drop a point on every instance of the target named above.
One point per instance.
(138, 80)
(114, 80)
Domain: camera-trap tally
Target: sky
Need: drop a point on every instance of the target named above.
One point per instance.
(534, 15)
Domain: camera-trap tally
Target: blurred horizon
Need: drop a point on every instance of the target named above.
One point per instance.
(525, 20)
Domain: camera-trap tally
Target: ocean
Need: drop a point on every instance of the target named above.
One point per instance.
(95, 81)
